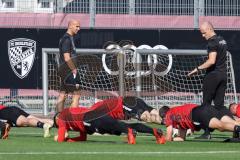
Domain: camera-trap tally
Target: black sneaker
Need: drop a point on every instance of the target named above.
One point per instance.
(235, 135)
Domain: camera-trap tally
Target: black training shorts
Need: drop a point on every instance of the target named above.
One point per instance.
(12, 113)
(134, 106)
(202, 115)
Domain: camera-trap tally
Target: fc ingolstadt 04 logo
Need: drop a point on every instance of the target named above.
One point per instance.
(21, 53)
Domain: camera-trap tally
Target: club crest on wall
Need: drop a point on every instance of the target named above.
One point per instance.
(21, 53)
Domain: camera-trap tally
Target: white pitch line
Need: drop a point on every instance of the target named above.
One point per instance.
(115, 153)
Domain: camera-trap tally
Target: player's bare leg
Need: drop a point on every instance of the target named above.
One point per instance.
(75, 99)
(61, 101)
(43, 120)
(33, 122)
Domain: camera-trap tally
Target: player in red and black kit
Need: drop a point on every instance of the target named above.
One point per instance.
(191, 116)
(215, 81)
(18, 117)
(103, 117)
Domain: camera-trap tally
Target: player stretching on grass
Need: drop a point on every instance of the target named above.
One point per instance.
(20, 118)
(191, 116)
(134, 107)
(103, 117)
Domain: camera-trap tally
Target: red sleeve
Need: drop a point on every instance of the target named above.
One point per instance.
(168, 120)
(61, 131)
(238, 111)
(1, 107)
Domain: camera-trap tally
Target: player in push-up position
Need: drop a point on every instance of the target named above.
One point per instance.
(18, 117)
(191, 116)
(135, 107)
(102, 117)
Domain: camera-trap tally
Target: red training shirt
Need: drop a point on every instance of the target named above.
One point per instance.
(180, 117)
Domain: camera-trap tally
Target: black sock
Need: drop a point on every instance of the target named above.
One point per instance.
(206, 131)
(40, 124)
(237, 129)
(141, 128)
(107, 124)
(1, 124)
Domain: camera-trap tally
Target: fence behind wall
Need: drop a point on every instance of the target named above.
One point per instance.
(154, 14)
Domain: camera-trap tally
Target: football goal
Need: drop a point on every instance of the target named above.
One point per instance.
(156, 74)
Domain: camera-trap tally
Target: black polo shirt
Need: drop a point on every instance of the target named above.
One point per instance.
(66, 45)
(219, 45)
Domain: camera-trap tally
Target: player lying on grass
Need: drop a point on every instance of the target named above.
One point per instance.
(19, 118)
(5, 128)
(191, 116)
(101, 118)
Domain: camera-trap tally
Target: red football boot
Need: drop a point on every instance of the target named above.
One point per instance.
(131, 136)
(160, 139)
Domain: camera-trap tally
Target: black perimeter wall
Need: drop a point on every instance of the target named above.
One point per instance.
(87, 38)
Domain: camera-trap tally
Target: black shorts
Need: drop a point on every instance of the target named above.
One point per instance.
(134, 107)
(202, 115)
(2, 124)
(68, 82)
(67, 88)
(12, 113)
(103, 125)
(223, 111)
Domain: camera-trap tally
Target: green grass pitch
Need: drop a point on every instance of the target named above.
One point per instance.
(28, 144)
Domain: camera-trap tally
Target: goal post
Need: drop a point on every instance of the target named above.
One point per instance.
(156, 74)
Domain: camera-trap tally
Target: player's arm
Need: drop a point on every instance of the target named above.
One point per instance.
(208, 63)
(169, 133)
(181, 135)
(61, 134)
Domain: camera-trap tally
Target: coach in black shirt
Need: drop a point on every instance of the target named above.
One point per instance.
(67, 68)
(215, 81)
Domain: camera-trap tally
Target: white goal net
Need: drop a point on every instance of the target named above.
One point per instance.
(155, 74)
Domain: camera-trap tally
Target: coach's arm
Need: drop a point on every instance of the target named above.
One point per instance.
(208, 63)
(70, 63)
